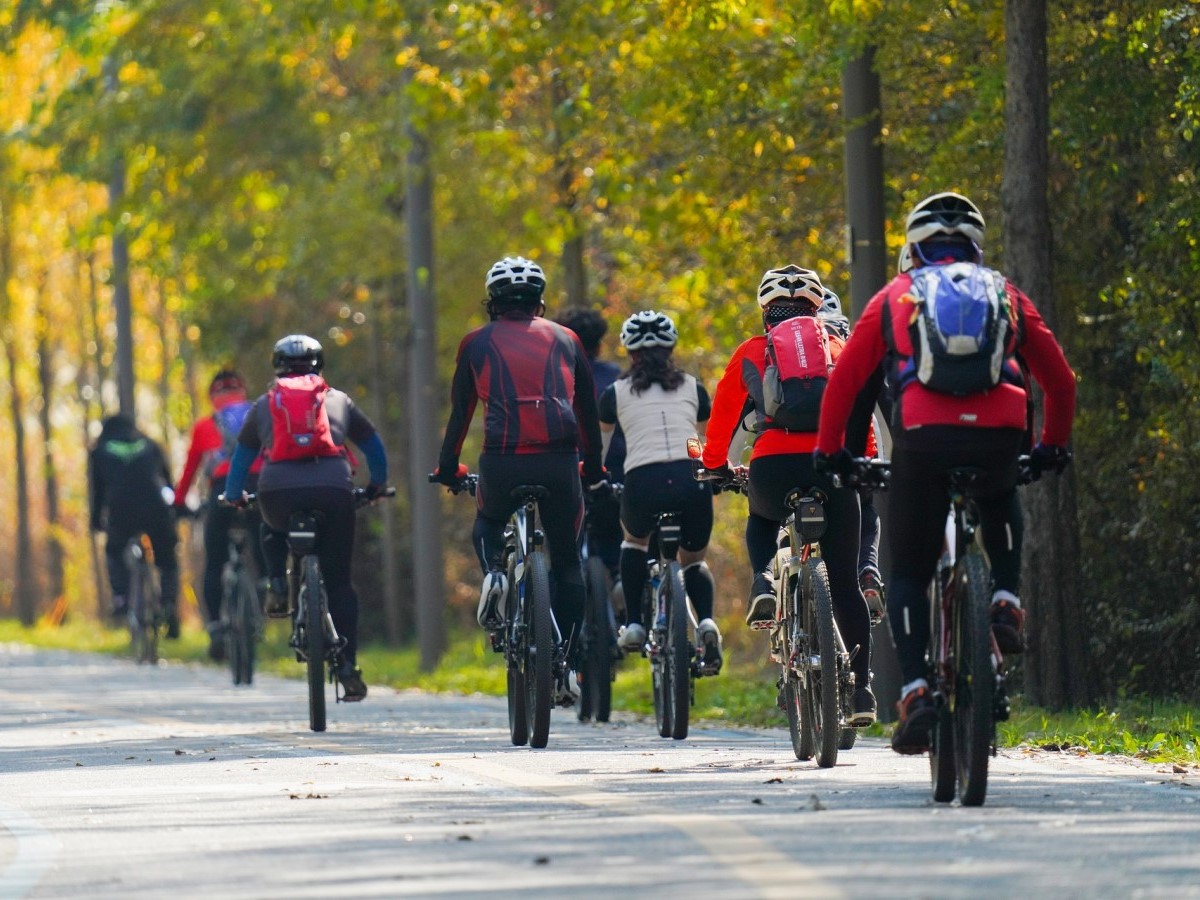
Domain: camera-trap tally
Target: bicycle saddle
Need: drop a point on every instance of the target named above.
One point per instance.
(523, 493)
(809, 509)
(303, 528)
(962, 477)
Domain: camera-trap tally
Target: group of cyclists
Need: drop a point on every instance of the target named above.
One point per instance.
(556, 415)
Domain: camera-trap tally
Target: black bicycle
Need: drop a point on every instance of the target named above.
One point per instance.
(598, 649)
(968, 668)
(241, 616)
(145, 616)
(534, 653)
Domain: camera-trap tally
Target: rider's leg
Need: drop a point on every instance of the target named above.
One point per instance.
(697, 510)
(634, 559)
(698, 582)
(116, 537)
(164, 540)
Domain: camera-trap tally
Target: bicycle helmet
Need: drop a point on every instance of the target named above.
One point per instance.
(516, 278)
(831, 305)
(587, 323)
(791, 284)
(904, 260)
(944, 215)
(647, 329)
(297, 354)
(226, 381)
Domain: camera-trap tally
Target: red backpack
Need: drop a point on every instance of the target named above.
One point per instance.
(799, 361)
(299, 422)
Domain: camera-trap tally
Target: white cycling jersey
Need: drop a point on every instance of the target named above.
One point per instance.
(656, 422)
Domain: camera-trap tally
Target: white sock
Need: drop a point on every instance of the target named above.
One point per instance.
(1007, 595)
(912, 686)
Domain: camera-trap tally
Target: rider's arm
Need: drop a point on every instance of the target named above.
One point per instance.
(728, 406)
(463, 397)
(362, 431)
(1050, 369)
(857, 364)
(204, 439)
(606, 409)
(591, 451)
(239, 465)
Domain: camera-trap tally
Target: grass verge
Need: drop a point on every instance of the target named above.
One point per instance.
(743, 695)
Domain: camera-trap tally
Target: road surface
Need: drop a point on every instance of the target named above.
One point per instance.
(120, 781)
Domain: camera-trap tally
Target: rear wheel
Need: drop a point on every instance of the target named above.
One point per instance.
(679, 652)
(822, 689)
(847, 738)
(539, 667)
(660, 678)
(975, 682)
(514, 658)
(942, 766)
(596, 694)
(793, 700)
(314, 641)
(242, 633)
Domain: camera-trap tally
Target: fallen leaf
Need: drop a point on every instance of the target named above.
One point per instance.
(179, 753)
(542, 861)
(757, 801)
(656, 770)
(775, 780)
(1178, 769)
(465, 837)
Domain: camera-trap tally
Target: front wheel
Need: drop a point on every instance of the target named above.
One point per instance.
(539, 666)
(975, 681)
(242, 626)
(596, 697)
(821, 691)
(313, 610)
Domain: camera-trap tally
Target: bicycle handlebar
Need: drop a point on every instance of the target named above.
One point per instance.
(467, 483)
(869, 473)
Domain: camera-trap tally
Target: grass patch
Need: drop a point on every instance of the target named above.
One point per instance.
(743, 695)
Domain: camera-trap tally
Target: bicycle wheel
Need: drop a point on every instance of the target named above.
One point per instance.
(679, 652)
(942, 765)
(314, 640)
(821, 690)
(514, 658)
(975, 682)
(539, 653)
(596, 696)
(242, 630)
(847, 738)
(660, 682)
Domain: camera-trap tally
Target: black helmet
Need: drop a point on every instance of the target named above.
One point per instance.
(297, 354)
(587, 323)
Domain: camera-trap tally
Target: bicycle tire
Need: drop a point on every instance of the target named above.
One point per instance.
(539, 671)
(821, 689)
(314, 641)
(793, 700)
(975, 682)
(136, 615)
(847, 738)
(679, 652)
(943, 768)
(514, 659)
(596, 695)
(147, 614)
(659, 679)
(242, 630)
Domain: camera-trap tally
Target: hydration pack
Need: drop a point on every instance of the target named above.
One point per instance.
(798, 365)
(299, 420)
(229, 421)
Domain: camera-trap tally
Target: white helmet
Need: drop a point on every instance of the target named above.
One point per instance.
(831, 305)
(947, 213)
(792, 284)
(515, 276)
(904, 260)
(647, 329)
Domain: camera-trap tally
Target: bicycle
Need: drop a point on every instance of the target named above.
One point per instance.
(534, 652)
(969, 687)
(241, 616)
(598, 646)
(314, 638)
(145, 616)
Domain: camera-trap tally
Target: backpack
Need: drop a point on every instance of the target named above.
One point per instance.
(229, 421)
(962, 329)
(798, 365)
(299, 420)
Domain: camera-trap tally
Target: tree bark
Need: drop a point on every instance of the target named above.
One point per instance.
(122, 302)
(54, 548)
(574, 270)
(1056, 628)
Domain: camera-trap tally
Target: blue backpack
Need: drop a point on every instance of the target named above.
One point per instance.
(962, 330)
(229, 421)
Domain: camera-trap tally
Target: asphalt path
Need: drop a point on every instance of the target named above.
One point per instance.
(126, 781)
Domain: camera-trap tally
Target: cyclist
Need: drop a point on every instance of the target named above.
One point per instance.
(658, 407)
(322, 482)
(212, 443)
(869, 578)
(130, 494)
(603, 512)
(533, 377)
(782, 460)
(934, 432)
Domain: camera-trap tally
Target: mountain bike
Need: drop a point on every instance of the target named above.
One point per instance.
(145, 614)
(968, 669)
(314, 638)
(535, 655)
(598, 649)
(241, 616)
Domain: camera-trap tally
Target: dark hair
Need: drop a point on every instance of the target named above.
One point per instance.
(587, 323)
(526, 303)
(654, 365)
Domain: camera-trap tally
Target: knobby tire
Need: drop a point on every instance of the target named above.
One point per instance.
(314, 641)
(679, 652)
(539, 671)
(942, 765)
(514, 658)
(596, 696)
(660, 678)
(822, 689)
(975, 682)
(241, 636)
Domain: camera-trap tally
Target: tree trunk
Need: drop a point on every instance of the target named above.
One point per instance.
(393, 614)
(54, 548)
(574, 271)
(429, 575)
(1056, 629)
(122, 303)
